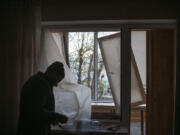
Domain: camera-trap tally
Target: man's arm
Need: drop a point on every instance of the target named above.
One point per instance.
(40, 99)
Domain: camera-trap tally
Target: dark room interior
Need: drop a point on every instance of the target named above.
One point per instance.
(23, 24)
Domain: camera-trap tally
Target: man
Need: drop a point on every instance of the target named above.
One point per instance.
(37, 107)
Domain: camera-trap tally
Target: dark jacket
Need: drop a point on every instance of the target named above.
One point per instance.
(37, 108)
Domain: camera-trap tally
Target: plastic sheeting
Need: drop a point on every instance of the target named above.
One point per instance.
(109, 44)
(110, 50)
(71, 99)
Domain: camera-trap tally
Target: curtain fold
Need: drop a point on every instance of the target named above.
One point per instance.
(71, 99)
(30, 40)
(19, 56)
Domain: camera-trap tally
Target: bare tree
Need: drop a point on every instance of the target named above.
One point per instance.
(83, 56)
(80, 57)
(100, 68)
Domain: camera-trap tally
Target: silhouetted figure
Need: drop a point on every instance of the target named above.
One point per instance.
(37, 105)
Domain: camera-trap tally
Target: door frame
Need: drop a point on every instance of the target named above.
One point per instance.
(148, 70)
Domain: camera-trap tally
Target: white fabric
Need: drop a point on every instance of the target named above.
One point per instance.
(136, 88)
(71, 99)
(138, 44)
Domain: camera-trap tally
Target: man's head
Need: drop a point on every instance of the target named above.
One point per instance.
(55, 72)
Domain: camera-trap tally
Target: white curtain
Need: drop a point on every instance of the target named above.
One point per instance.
(71, 99)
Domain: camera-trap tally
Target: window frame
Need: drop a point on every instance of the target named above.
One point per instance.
(95, 98)
(125, 26)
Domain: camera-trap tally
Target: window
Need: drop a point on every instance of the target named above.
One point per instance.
(128, 29)
(86, 63)
(93, 72)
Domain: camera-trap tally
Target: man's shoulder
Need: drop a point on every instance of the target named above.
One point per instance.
(35, 85)
(37, 80)
(39, 76)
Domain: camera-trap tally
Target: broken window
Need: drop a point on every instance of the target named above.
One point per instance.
(92, 63)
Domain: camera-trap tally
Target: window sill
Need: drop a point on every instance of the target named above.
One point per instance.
(102, 104)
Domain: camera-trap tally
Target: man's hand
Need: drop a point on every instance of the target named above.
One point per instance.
(61, 118)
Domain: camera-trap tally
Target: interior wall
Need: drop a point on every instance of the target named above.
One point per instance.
(177, 98)
(52, 11)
